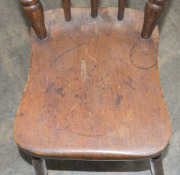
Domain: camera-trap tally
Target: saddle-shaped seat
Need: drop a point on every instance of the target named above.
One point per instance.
(93, 90)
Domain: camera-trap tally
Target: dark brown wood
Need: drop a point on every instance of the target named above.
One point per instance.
(121, 8)
(39, 166)
(67, 9)
(94, 8)
(34, 11)
(93, 90)
(153, 11)
(156, 165)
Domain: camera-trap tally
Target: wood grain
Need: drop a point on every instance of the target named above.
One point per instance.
(93, 90)
(152, 13)
(34, 11)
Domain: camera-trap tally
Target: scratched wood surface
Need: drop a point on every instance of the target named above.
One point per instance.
(93, 90)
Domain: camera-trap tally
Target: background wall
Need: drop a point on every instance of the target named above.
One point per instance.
(14, 66)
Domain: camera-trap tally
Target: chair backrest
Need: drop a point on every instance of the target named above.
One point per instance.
(34, 12)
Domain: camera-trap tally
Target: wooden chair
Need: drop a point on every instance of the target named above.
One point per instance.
(93, 90)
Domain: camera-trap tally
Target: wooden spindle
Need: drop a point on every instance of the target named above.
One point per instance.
(94, 8)
(153, 11)
(121, 8)
(67, 9)
(34, 11)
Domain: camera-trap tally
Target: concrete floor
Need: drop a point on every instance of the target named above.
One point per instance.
(14, 65)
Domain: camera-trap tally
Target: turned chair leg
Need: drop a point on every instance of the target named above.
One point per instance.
(39, 166)
(156, 165)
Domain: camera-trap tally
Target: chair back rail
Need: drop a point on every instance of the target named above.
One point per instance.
(34, 11)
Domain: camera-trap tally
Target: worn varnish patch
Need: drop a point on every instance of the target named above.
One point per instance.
(83, 70)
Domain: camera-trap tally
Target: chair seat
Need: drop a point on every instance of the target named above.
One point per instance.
(93, 90)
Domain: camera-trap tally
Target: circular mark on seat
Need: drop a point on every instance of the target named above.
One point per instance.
(143, 54)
